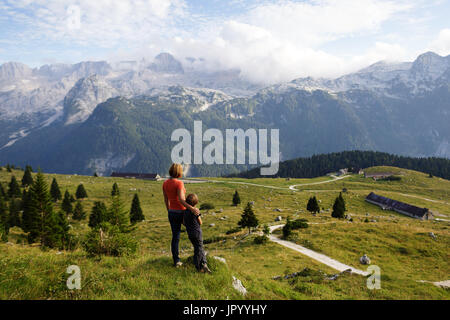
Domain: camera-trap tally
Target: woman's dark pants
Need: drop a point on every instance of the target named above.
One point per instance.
(175, 219)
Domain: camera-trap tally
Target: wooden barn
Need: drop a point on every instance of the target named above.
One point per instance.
(400, 207)
(130, 175)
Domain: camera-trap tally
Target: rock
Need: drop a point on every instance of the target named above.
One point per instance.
(277, 210)
(221, 210)
(220, 259)
(431, 234)
(237, 284)
(279, 218)
(252, 203)
(222, 218)
(373, 220)
(364, 259)
(9, 243)
(212, 225)
(367, 214)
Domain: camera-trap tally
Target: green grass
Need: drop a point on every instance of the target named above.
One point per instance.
(399, 245)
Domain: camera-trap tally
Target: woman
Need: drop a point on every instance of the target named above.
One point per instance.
(175, 200)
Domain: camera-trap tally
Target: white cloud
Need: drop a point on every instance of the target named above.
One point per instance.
(441, 44)
(279, 42)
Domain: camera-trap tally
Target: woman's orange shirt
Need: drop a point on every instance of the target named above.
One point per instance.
(171, 187)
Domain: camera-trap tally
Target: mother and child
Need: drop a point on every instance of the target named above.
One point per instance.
(182, 210)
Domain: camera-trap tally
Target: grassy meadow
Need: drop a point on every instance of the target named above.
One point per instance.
(399, 245)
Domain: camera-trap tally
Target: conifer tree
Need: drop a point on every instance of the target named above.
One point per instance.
(98, 215)
(236, 198)
(8, 168)
(81, 192)
(14, 213)
(338, 207)
(27, 178)
(42, 220)
(248, 218)
(115, 190)
(62, 230)
(72, 198)
(28, 167)
(25, 223)
(313, 205)
(136, 213)
(117, 215)
(66, 204)
(3, 193)
(4, 220)
(55, 191)
(14, 188)
(78, 211)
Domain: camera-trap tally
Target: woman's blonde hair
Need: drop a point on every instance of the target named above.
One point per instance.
(176, 170)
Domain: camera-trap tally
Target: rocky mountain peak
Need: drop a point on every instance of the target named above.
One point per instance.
(166, 63)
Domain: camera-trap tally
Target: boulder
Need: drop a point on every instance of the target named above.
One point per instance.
(220, 259)
(212, 225)
(279, 218)
(431, 234)
(364, 259)
(237, 284)
(277, 210)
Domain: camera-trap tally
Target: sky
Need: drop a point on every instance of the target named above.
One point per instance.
(268, 41)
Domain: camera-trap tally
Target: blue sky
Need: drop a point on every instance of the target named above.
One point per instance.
(272, 40)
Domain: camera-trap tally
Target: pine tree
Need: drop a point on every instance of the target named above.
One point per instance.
(236, 198)
(136, 213)
(98, 215)
(42, 219)
(4, 220)
(55, 191)
(28, 167)
(78, 212)
(8, 168)
(313, 205)
(3, 193)
(25, 223)
(14, 213)
(117, 215)
(115, 190)
(62, 230)
(81, 192)
(27, 178)
(248, 218)
(338, 207)
(66, 204)
(14, 188)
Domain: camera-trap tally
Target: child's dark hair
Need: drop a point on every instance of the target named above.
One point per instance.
(192, 199)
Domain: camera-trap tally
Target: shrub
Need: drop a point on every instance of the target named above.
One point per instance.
(299, 224)
(108, 240)
(287, 229)
(260, 239)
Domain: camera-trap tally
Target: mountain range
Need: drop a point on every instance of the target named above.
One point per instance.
(97, 116)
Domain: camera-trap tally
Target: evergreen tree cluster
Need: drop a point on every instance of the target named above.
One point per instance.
(313, 205)
(339, 207)
(236, 198)
(320, 165)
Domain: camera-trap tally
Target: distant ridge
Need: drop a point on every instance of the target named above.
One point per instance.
(320, 165)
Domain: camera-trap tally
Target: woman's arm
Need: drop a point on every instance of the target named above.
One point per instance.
(166, 200)
(182, 199)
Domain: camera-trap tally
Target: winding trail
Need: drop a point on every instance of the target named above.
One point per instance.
(314, 255)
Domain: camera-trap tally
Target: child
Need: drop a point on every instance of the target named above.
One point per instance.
(193, 223)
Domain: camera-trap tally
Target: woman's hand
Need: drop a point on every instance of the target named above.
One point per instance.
(194, 210)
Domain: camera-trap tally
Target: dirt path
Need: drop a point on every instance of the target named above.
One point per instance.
(320, 182)
(314, 255)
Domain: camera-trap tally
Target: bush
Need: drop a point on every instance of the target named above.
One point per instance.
(261, 239)
(299, 224)
(108, 240)
(207, 206)
(287, 229)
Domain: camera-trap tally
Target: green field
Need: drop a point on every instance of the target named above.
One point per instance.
(399, 245)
